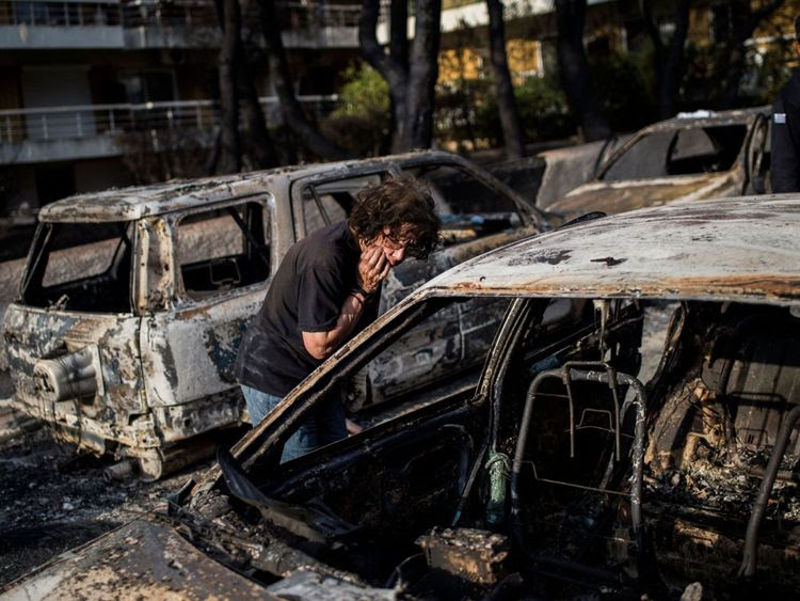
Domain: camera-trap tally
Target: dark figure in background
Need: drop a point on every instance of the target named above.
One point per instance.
(785, 165)
(324, 292)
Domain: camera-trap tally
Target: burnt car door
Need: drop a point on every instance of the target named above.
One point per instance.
(221, 259)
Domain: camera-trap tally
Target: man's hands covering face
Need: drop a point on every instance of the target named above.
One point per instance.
(372, 268)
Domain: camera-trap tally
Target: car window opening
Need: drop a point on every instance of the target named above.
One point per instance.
(468, 208)
(223, 249)
(668, 152)
(81, 267)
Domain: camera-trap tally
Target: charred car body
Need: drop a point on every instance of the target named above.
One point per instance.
(631, 431)
(133, 301)
(692, 156)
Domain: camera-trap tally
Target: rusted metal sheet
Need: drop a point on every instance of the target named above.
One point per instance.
(141, 560)
(154, 286)
(190, 356)
(128, 204)
(313, 586)
(736, 249)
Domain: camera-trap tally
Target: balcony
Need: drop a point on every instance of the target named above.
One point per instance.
(80, 132)
(60, 25)
(152, 24)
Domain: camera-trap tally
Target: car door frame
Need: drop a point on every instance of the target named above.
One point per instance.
(188, 346)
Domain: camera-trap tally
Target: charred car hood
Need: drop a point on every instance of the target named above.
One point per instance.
(618, 197)
(141, 560)
(149, 560)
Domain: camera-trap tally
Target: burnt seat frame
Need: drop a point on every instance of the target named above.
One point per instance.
(587, 372)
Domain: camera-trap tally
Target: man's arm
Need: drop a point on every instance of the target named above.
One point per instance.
(372, 269)
(321, 345)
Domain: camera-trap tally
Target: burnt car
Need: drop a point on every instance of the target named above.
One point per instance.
(630, 434)
(133, 301)
(693, 156)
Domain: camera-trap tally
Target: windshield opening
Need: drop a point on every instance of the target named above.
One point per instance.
(679, 152)
(469, 209)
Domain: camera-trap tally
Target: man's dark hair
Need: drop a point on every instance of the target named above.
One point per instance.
(395, 202)
(797, 28)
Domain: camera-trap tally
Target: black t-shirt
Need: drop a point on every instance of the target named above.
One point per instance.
(306, 295)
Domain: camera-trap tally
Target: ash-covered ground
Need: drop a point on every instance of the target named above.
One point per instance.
(53, 499)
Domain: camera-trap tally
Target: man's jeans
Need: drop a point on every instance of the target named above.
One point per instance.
(325, 424)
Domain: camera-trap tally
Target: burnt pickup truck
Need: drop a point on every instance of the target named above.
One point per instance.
(133, 301)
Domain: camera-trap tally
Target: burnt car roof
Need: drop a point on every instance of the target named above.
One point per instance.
(126, 204)
(726, 249)
(708, 118)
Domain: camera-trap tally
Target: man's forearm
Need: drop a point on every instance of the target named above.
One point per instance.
(321, 345)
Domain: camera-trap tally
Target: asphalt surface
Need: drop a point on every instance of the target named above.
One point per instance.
(53, 498)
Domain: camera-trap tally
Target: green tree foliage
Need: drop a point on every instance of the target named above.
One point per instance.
(365, 92)
(361, 123)
(543, 112)
(466, 108)
(543, 105)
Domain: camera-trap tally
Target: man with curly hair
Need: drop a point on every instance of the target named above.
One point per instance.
(324, 292)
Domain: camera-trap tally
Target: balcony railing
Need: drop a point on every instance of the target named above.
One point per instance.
(149, 13)
(59, 14)
(75, 122)
(292, 15)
